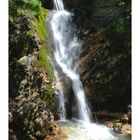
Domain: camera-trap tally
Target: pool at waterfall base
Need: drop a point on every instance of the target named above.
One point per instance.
(79, 130)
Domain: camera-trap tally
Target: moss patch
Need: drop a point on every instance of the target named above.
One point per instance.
(39, 29)
(48, 95)
(44, 62)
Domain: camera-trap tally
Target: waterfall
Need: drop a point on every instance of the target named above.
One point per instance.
(58, 4)
(59, 91)
(66, 50)
(66, 53)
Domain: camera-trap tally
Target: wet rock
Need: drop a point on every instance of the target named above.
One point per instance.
(126, 129)
(117, 127)
(54, 133)
(30, 111)
(124, 119)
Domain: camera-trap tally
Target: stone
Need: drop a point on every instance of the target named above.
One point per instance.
(39, 122)
(126, 129)
(55, 133)
(117, 127)
(26, 122)
(38, 133)
(10, 115)
(124, 119)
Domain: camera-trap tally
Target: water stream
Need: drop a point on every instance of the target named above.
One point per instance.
(66, 53)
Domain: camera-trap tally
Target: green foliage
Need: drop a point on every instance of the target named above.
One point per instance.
(17, 7)
(21, 17)
(41, 26)
(49, 96)
(33, 5)
(123, 25)
(26, 21)
(123, 33)
(42, 58)
(44, 62)
(109, 79)
(120, 28)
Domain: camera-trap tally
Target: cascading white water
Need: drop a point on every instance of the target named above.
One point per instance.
(66, 53)
(58, 4)
(59, 91)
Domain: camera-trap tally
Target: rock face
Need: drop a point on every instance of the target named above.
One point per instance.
(106, 59)
(106, 73)
(99, 12)
(31, 96)
(31, 109)
(27, 105)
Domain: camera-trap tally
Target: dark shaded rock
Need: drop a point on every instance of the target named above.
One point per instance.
(48, 4)
(36, 119)
(29, 116)
(31, 109)
(12, 135)
(105, 70)
(106, 56)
